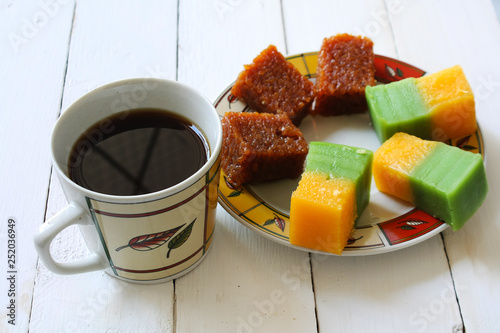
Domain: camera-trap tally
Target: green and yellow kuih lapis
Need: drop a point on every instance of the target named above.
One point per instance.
(444, 181)
(438, 106)
(332, 193)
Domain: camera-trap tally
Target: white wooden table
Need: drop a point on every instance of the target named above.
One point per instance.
(54, 51)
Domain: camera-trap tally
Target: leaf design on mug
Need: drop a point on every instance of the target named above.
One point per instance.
(181, 238)
(151, 241)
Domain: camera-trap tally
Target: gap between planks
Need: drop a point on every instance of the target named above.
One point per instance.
(453, 283)
(51, 174)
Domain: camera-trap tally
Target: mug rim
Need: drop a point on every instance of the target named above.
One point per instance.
(215, 149)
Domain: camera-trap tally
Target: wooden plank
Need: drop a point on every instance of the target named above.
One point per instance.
(110, 41)
(34, 46)
(307, 23)
(128, 40)
(393, 292)
(242, 28)
(247, 283)
(474, 29)
(405, 291)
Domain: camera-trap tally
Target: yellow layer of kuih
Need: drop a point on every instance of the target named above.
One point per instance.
(322, 212)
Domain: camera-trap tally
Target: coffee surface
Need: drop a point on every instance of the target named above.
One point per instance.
(137, 152)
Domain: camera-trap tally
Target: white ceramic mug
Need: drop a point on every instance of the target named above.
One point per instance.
(147, 238)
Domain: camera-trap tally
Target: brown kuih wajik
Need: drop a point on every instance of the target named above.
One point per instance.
(273, 85)
(260, 147)
(345, 67)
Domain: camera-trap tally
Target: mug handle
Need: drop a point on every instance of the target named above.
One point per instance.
(71, 214)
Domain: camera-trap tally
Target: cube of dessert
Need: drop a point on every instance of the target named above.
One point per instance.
(260, 147)
(442, 180)
(438, 106)
(345, 67)
(332, 193)
(273, 85)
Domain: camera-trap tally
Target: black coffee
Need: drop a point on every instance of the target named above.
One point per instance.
(137, 152)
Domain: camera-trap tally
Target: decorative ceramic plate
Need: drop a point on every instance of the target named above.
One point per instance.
(387, 224)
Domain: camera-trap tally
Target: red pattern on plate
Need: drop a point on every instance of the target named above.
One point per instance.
(409, 226)
(390, 70)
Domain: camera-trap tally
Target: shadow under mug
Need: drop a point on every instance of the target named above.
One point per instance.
(148, 238)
